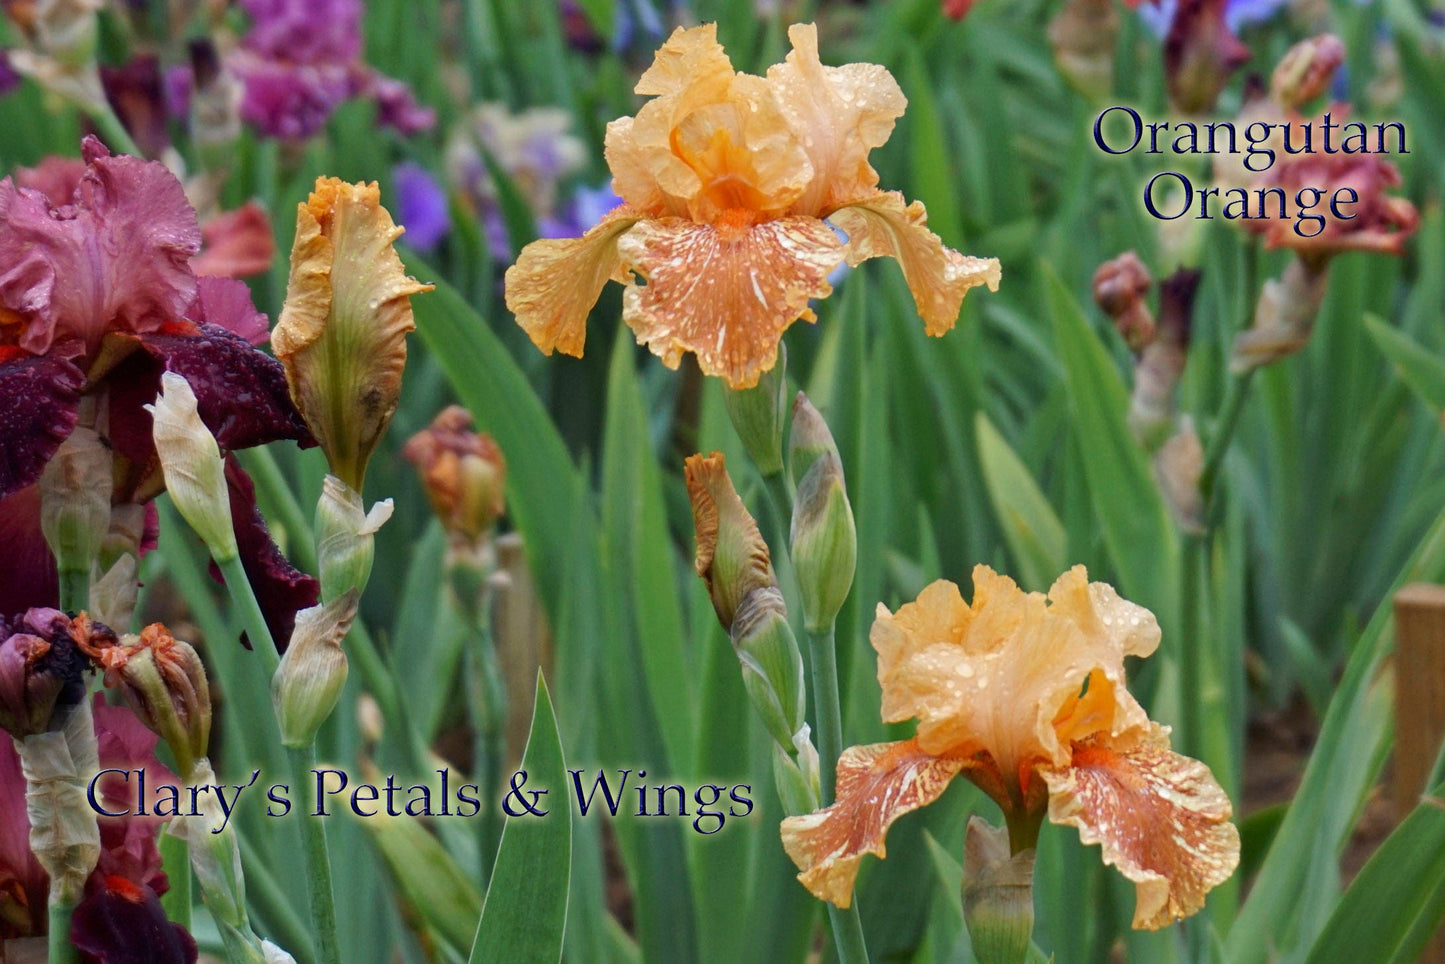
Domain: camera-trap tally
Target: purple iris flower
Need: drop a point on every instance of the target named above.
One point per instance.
(421, 206)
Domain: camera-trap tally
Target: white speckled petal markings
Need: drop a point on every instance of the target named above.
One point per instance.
(1160, 817)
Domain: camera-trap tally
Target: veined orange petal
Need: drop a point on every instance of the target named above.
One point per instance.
(839, 114)
(877, 784)
(555, 282)
(1160, 817)
(939, 277)
(725, 292)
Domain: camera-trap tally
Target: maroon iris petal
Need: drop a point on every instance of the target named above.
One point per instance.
(241, 393)
(119, 922)
(281, 589)
(27, 569)
(38, 407)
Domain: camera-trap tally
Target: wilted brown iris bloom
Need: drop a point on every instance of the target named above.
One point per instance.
(1025, 696)
(727, 179)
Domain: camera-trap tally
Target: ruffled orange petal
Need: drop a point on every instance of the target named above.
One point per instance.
(688, 57)
(877, 784)
(840, 114)
(555, 282)
(1160, 817)
(939, 277)
(725, 292)
(1004, 675)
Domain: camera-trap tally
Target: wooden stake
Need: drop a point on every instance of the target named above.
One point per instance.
(1419, 703)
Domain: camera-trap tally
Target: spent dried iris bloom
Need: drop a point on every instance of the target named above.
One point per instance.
(1024, 695)
(727, 179)
(464, 475)
(98, 300)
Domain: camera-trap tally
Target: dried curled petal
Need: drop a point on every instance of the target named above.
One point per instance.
(555, 283)
(732, 557)
(1160, 817)
(881, 226)
(725, 292)
(877, 784)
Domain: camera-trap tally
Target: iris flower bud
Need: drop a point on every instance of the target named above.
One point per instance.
(191, 460)
(758, 413)
(75, 499)
(345, 537)
(308, 683)
(998, 894)
(342, 333)
(824, 539)
(1307, 70)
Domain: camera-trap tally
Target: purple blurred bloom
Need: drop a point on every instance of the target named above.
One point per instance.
(397, 107)
(421, 206)
(9, 79)
(1237, 13)
(581, 213)
(302, 59)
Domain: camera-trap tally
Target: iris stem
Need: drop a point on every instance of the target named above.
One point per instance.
(61, 950)
(75, 590)
(1235, 396)
(823, 653)
(313, 831)
(112, 131)
(318, 861)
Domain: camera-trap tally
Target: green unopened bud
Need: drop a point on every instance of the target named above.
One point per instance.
(757, 414)
(771, 662)
(308, 683)
(824, 542)
(998, 895)
(809, 440)
(163, 680)
(191, 460)
(75, 499)
(796, 775)
(345, 538)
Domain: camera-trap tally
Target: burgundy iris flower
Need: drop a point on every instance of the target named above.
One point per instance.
(98, 297)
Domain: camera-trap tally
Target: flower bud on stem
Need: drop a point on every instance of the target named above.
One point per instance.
(998, 894)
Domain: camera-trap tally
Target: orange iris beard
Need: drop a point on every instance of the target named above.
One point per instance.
(726, 179)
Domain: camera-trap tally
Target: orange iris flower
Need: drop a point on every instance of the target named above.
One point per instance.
(726, 180)
(1025, 696)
